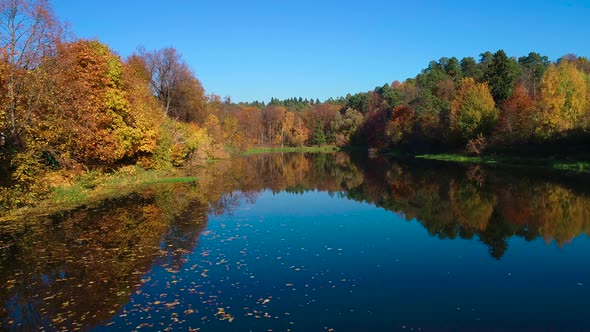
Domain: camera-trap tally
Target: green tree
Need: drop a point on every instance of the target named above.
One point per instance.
(453, 69)
(435, 73)
(346, 126)
(470, 68)
(501, 74)
(358, 102)
(319, 137)
(391, 95)
(533, 68)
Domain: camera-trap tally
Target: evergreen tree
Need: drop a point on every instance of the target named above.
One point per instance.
(470, 68)
(319, 138)
(501, 75)
(533, 66)
(453, 68)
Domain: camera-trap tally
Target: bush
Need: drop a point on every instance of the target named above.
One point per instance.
(476, 145)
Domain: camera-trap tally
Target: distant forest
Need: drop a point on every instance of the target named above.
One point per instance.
(71, 104)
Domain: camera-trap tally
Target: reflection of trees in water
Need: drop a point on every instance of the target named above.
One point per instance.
(228, 203)
(449, 201)
(78, 268)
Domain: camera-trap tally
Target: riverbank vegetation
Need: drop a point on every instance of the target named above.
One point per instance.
(93, 187)
(512, 161)
(69, 106)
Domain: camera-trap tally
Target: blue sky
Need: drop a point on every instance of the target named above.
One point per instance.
(255, 50)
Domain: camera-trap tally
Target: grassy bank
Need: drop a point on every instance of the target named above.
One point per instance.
(327, 148)
(94, 187)
(581, 166)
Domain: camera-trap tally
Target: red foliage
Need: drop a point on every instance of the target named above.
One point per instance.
(516, 118)
(401, 126)
(374, 129)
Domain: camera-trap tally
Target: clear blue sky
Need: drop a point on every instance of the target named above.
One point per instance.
(254, 50)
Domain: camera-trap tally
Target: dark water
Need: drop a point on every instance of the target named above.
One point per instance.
(311, 243)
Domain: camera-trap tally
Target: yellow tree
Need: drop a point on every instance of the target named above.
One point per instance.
(563, 99)
(300, 133)
(250, 123)
(95, 113)
(272, 120)
(287, 126)
(28, 33)
(213, 126)
(144, 109)
(473, 112)
(3, 101)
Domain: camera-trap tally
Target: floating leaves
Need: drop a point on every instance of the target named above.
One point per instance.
(222, 315)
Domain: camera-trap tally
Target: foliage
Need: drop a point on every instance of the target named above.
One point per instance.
(174, 84)
(105, 126)
(533, 67)
(347, 126)
(473, 111)
(470, 68)
(516, 122)
(401, 126)
(181, 144)
(28, 34)
(374, 129)
(319, 138)
(501, 74)
(563, 100)
(513, 161)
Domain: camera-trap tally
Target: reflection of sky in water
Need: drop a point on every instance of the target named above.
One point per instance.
(313, 262)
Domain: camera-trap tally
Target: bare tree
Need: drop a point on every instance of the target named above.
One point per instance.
(175, 85)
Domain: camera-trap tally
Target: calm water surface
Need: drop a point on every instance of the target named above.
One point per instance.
(311, 243)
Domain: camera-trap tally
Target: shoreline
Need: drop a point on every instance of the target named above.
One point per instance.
(94, 187)
(577, 166)
(270, 149)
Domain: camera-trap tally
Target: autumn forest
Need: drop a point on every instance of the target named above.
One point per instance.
(450, 195)
(73, 105)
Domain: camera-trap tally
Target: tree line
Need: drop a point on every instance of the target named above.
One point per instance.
(69, 103)
(494, 103)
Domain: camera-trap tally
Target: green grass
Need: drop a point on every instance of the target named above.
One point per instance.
(326, 148)
(97, 186)
(579, 166)
(172, 180)
(94, 187)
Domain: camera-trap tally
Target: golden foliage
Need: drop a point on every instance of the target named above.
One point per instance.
(473, 111)
(563, 100)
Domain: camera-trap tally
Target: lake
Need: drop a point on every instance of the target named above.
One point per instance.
(311, 242)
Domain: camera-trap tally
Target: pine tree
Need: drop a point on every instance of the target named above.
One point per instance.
(501, 74)
(319, 138)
